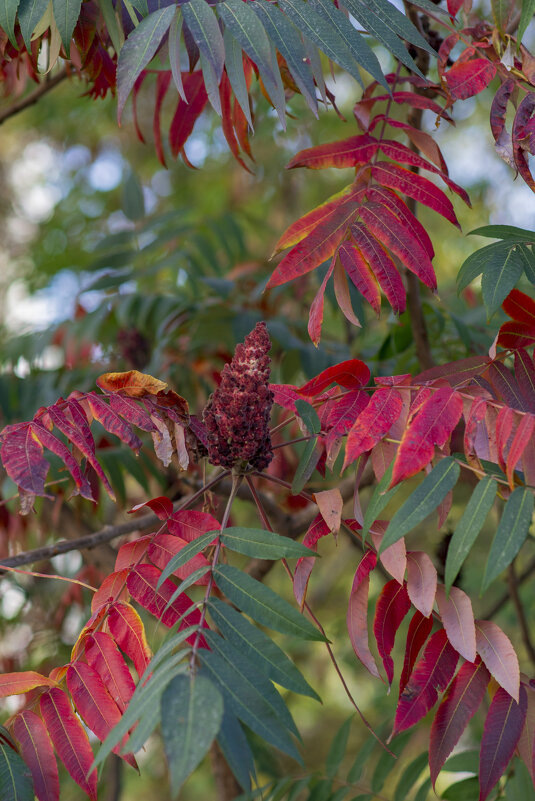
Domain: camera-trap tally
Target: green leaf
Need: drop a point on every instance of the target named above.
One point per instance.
(8, 13)
(380, 21)
(263, 544)
(187, 553)
(499, 277)
(306, 466)
(174, 44)
(476, 263)
(164, 651)
(466, 790)
(66, 13)
(183, 586)
(247, 673)
(469, 527)
(236, 749)
(236, 76)
(529, 262)
(423, 791)
(387, 762)
(138, 50)
(528, 10)
(510, 535)
(247, 29)
(30, 13)
(133, 199)
(379, 500)
(286, 38)
(423, 501)
(363, 755)
(191, 711)
(15, 778)
(338, 748)
(410, 776)
(509, 232)
(247, 703)
(357, 46)
(207, 35)
(520, 785)
(264, 605)
(464, 762)
(259, 647)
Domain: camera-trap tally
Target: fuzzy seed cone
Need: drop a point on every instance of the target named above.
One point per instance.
(237, 414)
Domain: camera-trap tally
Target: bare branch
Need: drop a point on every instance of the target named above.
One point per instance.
(25, 102)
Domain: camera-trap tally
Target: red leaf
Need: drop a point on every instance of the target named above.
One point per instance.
(516, 335)
(317, 529)
(302, 573)
(393, 558)
(496, 651)
(458, 707)
(164, 546)
(410, 99)
(38, 754)
(422, 140)
(70, 740)
(133, 383)
(505, 385)
(111, 421)
(132, 412)
(392, 606)
(285, 395)
(161, 506)
(526, 743)
(521, 439)
(22, 458)
(128, 632)
(132, 552)
(455, 373)
(415, 186)
(330, 503)
(498, 109)
(431, 425)
(317, 246)
(315, 317)
(344, 413)
(387, 197)
(142, 583)
(227, 119)
(421, 581)
(94, 703)
(373, 423)
(187, 114)
(189, 524)
(432, 673)
(502, 730)
(388, 229)
(469, 78)
(458, 620)
(419, 630)
(112, 589)
(48, 440)
(104, 657)
(360, 273)
(344, 153)
(525, 377)
(357, 625)
(523, 115)
(382, 266)
(350, 374)
(342, 293)
(454, 6)
(162, 85)
(306, 224)
(22, 682)
(520, 307)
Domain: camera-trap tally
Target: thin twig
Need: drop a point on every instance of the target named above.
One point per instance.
(528, 571)
(512, 581)
(105, 534)
(48, 84)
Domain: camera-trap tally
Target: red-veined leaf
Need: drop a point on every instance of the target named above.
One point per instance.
(302, 227)
(516, 335)
(525, 377)
(132, 552)
(458, 620)
(317, 529)
(22, 682)
(504, 427)
(302, 573)
(133, 383)
(524, 114)
(433, 673)
(381, 194)
(360, 273)
(422, 140)
(505, 386)
(408, 98)
(498, 109)
(162, 85)
(131, 411)
(421, 581)
(402, 154)
(454, 6)
(393, 558)
(392, 606)
(285, 395)
(94, 703)
(388, 229)
(23, 460)
(373, 422)
(227, 119)
(190, 524)
(502, 730)
(520, 307)
(317, 247)
(113, 588)
(48, 440)
(104, 657)
(357, 612)
(344, 413)
(415, 186)
(164, 546)
(521, 439)
(38, 754)
(70, 740)
(419, 630)
(469, 78)
(342, 294)
(315, 317)
(455, 373)
(343, 153)
(111, 421)
(187, 114)
(128, 631)
(161, 506)
(458, 707)
(142, 583)
(526, 743)
(382, 267)
(499, 656)
(350, 374)
(431, 425)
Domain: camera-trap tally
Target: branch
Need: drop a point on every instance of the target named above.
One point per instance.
(48, 84)
(105, 534)
(512, 581)
(528, 571)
